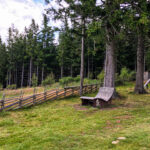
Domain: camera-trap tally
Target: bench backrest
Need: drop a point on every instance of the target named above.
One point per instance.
(105, 93)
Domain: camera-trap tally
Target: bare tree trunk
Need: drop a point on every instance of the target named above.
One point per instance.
(42, 74)
(7, 78)
(92, 67)
(109, 78)
(88, 66)
(10, 77)
(71, 71)
(16, 77)
(82, 57)
(30, 74)
(62, 71)
(22, 76)
(37, 73)
(94, 45)
(139, 87)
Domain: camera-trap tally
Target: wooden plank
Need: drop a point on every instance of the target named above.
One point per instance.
(105, 93)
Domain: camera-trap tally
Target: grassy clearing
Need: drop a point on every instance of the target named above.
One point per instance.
(65, 125)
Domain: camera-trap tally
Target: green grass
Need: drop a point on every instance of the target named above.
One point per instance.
(65, 125)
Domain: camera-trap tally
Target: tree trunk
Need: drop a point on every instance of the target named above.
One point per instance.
(7, 78)
(88, 66)
(139, 88)
(10, 77)
(37, 73)
(42, 74)
(92, 67)
(71, 71)
(109, 78)
(30, 74)
(16, 77)
(22, 75)
(82, 58)
(62, 71)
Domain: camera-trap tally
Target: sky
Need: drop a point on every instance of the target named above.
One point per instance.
(19, 13)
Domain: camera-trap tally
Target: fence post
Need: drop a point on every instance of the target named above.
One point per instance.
(2, 102)
(21, 98)
(85, 89)
(96, 87)
(64, 92)
(45, 94)
(72, 91)
(91, 88)
(56, 93)
(34, 96)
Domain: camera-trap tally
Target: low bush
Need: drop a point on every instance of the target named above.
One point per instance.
(132, 76)
(1, 86)
(12, 86)
(50, 79)
(65, 81)
(125, 76)
(90, 81)
(76, 79)
(100, 76)
(34, 80)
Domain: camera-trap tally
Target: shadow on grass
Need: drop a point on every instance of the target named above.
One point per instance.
(4, 113)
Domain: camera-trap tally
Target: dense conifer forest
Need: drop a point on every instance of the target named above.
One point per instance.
(108, 36)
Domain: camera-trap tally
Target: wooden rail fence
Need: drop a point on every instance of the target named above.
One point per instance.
(21, 101)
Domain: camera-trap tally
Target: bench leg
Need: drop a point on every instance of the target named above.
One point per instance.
(104, 104)
(94, 103)
(84, 102)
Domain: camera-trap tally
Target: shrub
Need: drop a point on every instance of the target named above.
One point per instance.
(125, 76)
(50, 79)
(86, 81)
(132, 76)
(34, 80)
(12, 86)
(76, 79)
(118, 81)
(90, 81)
(65, 81)
(1, 86)
(100, 76)
(91, 75)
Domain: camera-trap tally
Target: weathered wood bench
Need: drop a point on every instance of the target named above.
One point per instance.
(102, 99)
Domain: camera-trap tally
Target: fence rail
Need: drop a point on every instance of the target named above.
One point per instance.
(20, 101)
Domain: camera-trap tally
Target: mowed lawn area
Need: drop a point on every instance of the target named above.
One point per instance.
(65, 125)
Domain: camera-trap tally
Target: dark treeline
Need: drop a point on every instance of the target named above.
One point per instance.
(113, 28)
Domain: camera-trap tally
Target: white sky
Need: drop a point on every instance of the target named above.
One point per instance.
(19, 13)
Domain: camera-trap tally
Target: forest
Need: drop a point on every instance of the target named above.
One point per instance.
(95, 36)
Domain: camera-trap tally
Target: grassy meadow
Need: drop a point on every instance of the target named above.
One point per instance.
(66, 125)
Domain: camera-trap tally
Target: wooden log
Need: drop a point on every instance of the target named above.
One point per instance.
(85, 89)
(45, 93)
(64, 92)
(57, 93)
(91, 88)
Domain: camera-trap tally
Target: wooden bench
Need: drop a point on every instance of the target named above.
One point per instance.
(102, 99)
